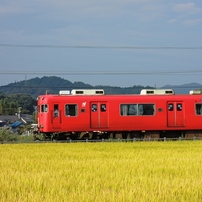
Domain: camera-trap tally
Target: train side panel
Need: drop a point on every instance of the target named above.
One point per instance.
(135, 113)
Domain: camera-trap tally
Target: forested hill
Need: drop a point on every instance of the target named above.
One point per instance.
(53, 85)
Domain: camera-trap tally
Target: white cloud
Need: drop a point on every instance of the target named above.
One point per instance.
(8, 9)
(188, 8)
(186, 14)
(192, 22)
(79, 8)
(150, 12)
(172, 21)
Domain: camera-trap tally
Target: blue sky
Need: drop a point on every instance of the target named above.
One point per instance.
(108, 42)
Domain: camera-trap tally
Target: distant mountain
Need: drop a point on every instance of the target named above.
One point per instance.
(52, 84)
(183, 89)
(38, 86)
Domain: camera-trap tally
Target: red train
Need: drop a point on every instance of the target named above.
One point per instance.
(84, 114)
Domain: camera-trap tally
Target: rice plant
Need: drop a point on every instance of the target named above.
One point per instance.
(137, 171)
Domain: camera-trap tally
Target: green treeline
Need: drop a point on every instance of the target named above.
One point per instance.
(11, 104)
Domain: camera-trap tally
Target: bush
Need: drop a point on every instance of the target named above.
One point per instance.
(6, 135)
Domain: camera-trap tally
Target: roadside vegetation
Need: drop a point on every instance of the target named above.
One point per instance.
(26, 135)
(137, 171)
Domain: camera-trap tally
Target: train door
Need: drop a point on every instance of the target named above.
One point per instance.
(99, 115)
(56, 116)
(175, 111)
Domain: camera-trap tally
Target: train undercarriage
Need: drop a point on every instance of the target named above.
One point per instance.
(147, 135)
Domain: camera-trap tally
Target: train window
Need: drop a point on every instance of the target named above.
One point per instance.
(71, 110)
(103, 108)
(94, 108)
(146, 109)
(137, 109)
(56, 111)
(198, 108)
(128, 109)
(170, 107)
(44, 108)
(179, 107)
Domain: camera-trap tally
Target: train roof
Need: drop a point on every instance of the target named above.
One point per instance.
(157, 92)
(83, 92)
(100, 92)
(195, 92)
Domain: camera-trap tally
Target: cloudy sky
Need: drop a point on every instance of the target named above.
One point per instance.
(108, 42)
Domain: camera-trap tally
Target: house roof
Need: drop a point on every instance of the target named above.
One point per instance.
(25, 118)
(9, 118)
(16, 124)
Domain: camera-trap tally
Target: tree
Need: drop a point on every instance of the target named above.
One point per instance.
(9, 104)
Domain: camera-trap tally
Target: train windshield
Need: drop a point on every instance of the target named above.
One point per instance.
(44, 108)
(198, 109)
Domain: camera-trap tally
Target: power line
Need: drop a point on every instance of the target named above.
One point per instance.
(103, 47)
(88, 73)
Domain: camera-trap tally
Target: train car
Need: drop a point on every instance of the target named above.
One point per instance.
(92, 114)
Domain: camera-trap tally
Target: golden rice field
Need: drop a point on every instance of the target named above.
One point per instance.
(85, 172)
